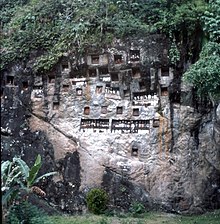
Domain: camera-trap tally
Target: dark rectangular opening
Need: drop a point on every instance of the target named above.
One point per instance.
(56, 105)
(10, 80)
(134, 55)
(164, 91)
(135, 112)
(136, 73)
(115, 89)
(86, 110)
(79, 92)
(134, 151)
(25, 85)
(156, 122)
(118, 59)
(80, 73)
(119, 110)
(164, 71)
(65, 87)
(65, 66)
(114, 77)
(98, 89)
(103, 71)
(95, 59)
(92, 73)
(108, 85)
(51, 78)
(126, 93)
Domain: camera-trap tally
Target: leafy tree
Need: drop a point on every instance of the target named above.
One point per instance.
(204, 74)
(211, 20)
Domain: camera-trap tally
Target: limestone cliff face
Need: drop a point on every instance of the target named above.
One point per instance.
(118, 118)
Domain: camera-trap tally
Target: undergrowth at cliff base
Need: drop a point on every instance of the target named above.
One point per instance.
(149, 218)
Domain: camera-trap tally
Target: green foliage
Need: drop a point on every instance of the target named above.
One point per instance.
(31, 177)
(180, 16)
(137, 208)
(97, 200)
(204, 74)
(211, 20)
(103, 221)
(26, 213)
(174, 53)
(8, 9)
(16, 175)
(42, 31)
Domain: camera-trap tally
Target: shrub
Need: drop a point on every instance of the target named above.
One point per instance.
(97, 200)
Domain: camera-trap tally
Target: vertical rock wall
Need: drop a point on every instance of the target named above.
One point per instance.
(117, 118)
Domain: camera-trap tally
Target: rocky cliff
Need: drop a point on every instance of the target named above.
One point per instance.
(119, 118)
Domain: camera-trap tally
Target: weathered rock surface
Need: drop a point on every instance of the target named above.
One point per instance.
(117, 119)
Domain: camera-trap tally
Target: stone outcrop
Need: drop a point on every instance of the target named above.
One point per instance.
(118, 118)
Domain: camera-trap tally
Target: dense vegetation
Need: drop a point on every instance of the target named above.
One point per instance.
(204, 74)
(36, 33)
(47, 29)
